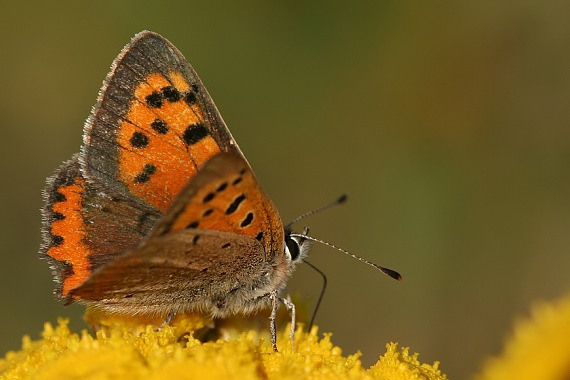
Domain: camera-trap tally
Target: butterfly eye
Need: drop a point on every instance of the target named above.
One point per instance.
(292, 248)
(296, 247)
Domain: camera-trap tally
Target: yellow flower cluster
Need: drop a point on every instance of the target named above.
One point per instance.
(118, 352)
(131, 349)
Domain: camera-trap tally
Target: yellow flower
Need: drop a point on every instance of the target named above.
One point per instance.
(538, 349)
(119, 351)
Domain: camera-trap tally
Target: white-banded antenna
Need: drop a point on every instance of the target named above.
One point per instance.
(338, 201)
(392, 273)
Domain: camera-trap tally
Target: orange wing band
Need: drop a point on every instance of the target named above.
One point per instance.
(69, 234)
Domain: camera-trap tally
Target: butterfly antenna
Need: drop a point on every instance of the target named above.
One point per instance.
(392, 273)
(338, 201)
(323, 289)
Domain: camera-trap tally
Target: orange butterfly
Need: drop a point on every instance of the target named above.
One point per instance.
(160, 213)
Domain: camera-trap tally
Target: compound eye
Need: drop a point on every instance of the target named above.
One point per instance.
(292, 248)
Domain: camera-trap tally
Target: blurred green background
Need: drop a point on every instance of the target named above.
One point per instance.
(446, 123)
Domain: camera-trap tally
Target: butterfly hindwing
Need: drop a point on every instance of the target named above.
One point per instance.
(84, 228)
(154, 125)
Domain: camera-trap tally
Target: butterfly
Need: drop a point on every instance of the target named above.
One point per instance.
(160, 213)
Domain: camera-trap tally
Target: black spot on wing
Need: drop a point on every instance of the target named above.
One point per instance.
(56, 240)
(194, 133)
(58, 197)
(235, 204)
(154, 100)
(171, 94)
(247, 220)
(208, 197)
(144, 176)
(139, 140)
(190, 98)
(57, 215)
(159, 126)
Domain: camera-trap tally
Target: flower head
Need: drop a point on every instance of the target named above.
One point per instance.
(539, 347)
(118, 351)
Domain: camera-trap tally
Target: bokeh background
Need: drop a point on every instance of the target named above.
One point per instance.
(447, 124)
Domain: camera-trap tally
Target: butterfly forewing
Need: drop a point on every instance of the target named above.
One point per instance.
(154, 125)
(226, 196)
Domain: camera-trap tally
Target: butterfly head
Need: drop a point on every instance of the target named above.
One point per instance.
(297, 246)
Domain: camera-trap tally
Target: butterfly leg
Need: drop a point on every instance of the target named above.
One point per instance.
(291, 306)
(169, 318)
(272, 317)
